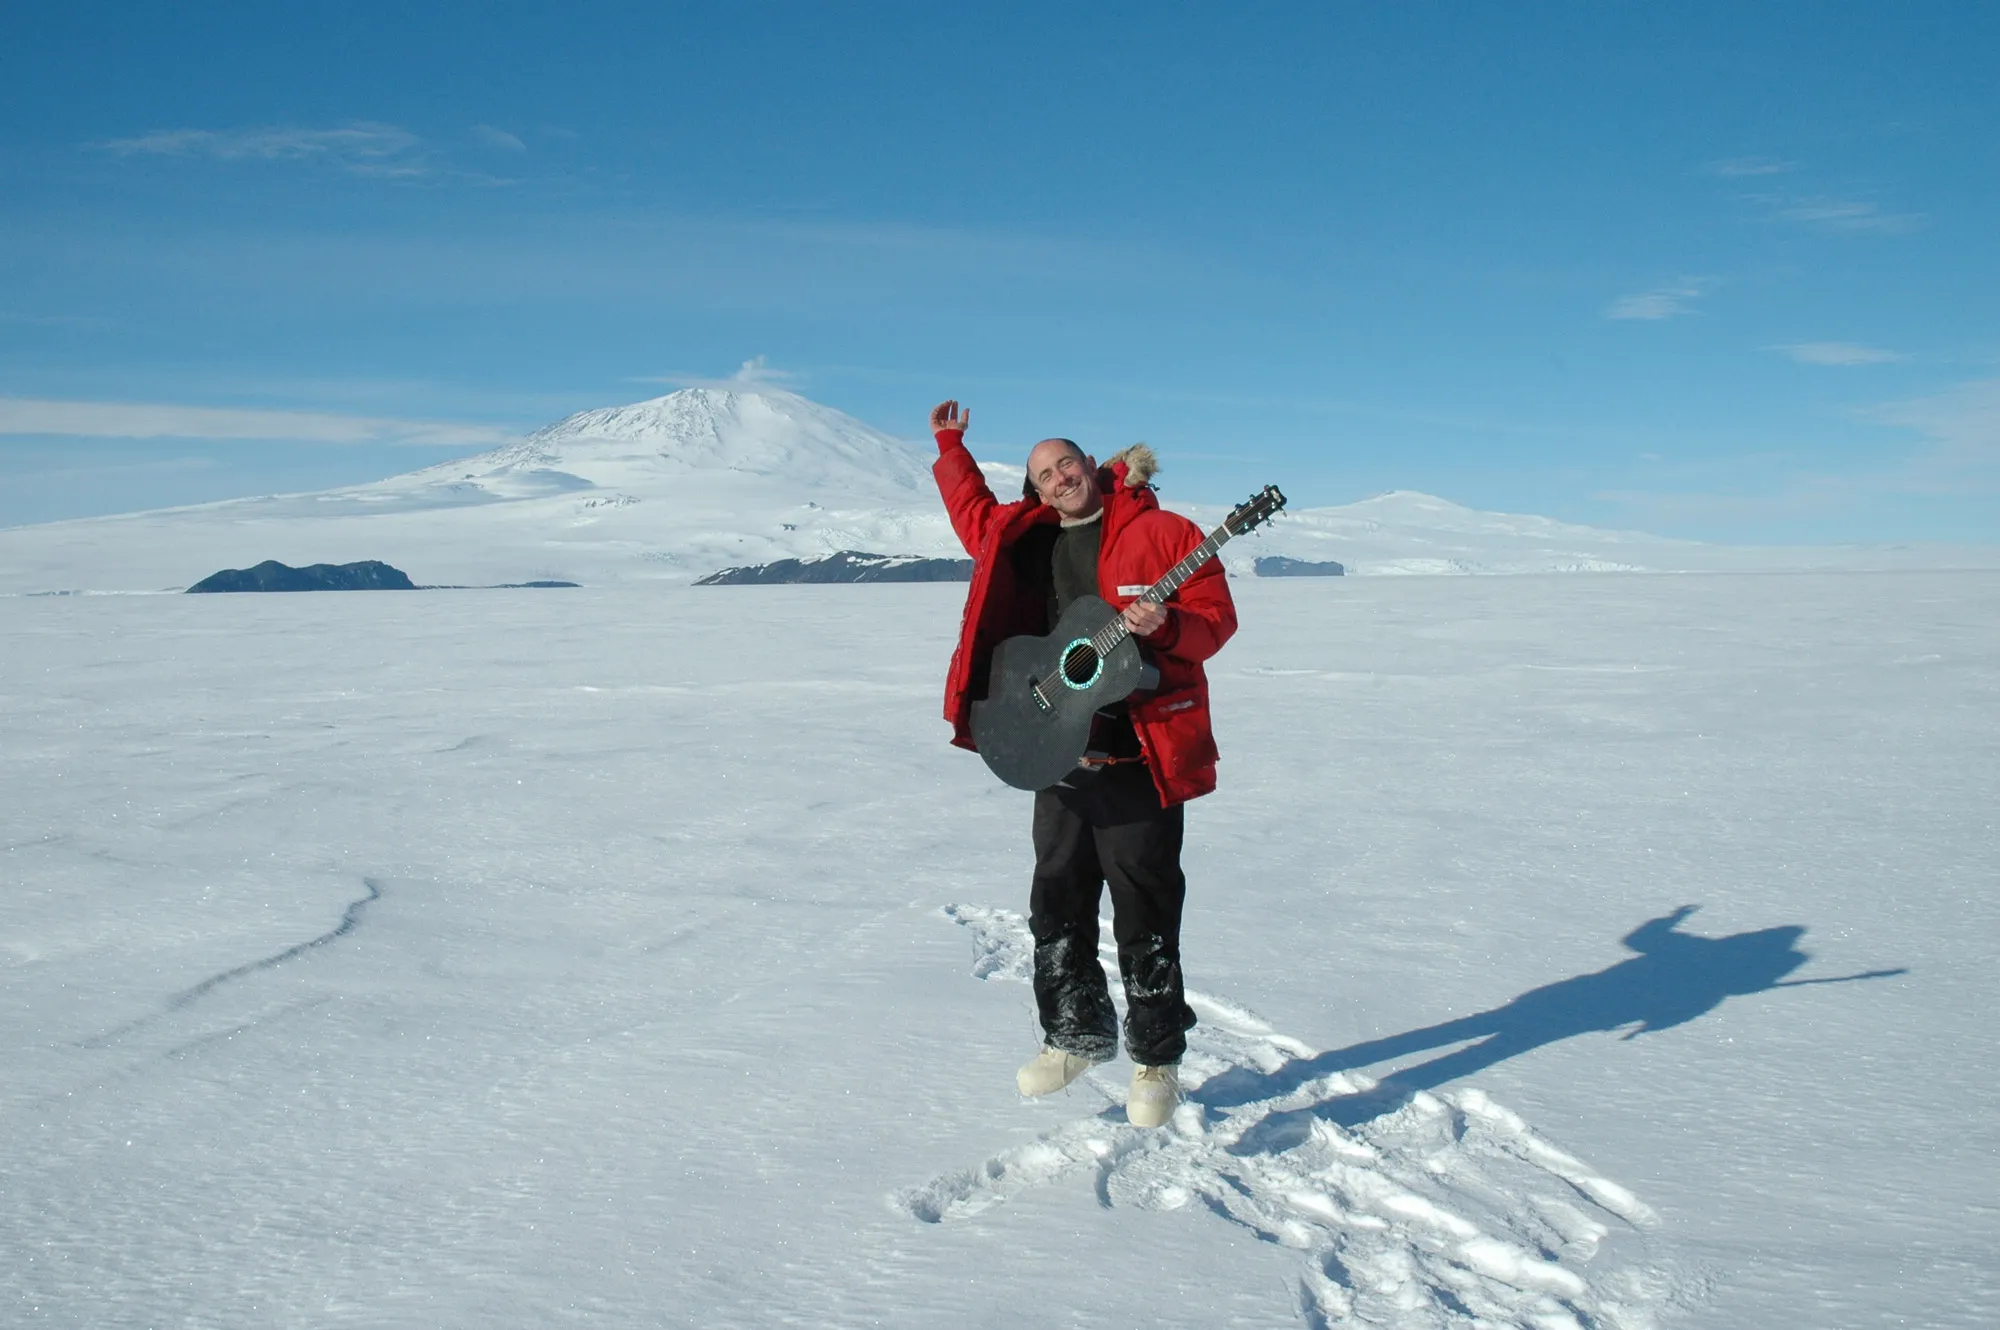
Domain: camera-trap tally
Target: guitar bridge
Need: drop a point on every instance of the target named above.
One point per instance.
(1041, 699)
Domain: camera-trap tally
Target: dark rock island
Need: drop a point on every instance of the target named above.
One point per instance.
(1277, 565)
(270, 575)
(844, 566)
(368, 575)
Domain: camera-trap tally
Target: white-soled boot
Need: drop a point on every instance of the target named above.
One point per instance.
(1051, 1070)
(1156, 1092)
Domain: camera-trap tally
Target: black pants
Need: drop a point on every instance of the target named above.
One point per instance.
(1097, 827)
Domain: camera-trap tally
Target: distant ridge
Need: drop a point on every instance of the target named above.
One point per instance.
(844, 566)
(676, 488)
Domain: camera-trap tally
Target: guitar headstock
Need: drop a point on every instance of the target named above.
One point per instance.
(1253, 512)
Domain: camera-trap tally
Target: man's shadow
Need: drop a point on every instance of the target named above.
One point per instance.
(1674, 978)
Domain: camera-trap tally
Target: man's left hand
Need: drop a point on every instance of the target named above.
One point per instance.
(1145, 618)
(945, 415)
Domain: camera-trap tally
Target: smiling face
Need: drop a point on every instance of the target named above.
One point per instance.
(1064, 477)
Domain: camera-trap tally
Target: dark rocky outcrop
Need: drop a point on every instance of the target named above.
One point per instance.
(270, 575)
(844, 566)
(490, 586)
(1277, 565)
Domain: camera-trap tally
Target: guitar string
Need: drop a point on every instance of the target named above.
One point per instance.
(1117, 630)
(1106, 639)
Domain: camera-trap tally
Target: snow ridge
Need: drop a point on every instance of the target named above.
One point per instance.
(1430, 1210)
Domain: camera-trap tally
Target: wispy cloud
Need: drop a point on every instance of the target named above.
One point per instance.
(754, 373)
(1737, 168)
(495, 137)
(364, 147)
(136, 420)
(1853, 215)
(1838, 353)
(1662, 302)
(1795, 202)
(1963, 426)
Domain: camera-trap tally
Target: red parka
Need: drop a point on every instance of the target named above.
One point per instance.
(1139, 543)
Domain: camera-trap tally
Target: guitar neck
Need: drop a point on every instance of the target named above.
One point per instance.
(1118, 630)
(1187, 567)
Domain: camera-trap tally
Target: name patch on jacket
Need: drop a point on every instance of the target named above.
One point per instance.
(1139, 590)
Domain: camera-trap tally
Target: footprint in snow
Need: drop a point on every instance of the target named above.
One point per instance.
(1421, 1209)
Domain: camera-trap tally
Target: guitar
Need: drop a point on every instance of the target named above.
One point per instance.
(1033, 726)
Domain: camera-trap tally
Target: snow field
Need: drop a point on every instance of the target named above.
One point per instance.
(1380, 1207)
(459, 959)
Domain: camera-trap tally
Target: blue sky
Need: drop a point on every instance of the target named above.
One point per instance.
(1720, 271)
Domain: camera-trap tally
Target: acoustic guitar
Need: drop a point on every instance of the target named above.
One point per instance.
(1033, 726)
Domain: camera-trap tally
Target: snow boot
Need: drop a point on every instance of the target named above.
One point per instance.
(1156, 1091)
(1051, 1070)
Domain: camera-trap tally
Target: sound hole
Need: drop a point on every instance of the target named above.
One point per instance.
(1079, 664)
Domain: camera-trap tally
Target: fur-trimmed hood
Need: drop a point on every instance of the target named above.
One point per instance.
(1133, 467)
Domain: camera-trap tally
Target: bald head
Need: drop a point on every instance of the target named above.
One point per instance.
(1064, 477)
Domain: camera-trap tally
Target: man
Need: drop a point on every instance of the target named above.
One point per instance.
(1079, 529)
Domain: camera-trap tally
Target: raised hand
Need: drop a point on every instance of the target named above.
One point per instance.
(945, 415)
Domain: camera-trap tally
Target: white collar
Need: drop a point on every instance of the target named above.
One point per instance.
(1084, 521)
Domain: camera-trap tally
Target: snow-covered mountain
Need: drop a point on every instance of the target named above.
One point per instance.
(777, 435)
(679, 486)
(671, 488)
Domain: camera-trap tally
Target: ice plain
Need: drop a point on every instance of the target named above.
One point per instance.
(639, 955)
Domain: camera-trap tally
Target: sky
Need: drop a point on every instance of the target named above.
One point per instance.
(1715, 271)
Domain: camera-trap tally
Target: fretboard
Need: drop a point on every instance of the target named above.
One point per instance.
(1118, 630)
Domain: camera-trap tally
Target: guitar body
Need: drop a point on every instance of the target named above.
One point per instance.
(1042, 692)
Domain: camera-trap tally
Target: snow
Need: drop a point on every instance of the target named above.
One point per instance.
(642, 956)
(675, 488)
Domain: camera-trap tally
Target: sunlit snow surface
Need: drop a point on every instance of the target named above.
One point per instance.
(643, 956)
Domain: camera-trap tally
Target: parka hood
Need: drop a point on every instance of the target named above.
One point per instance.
(1130, 468)
(1133, 467)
